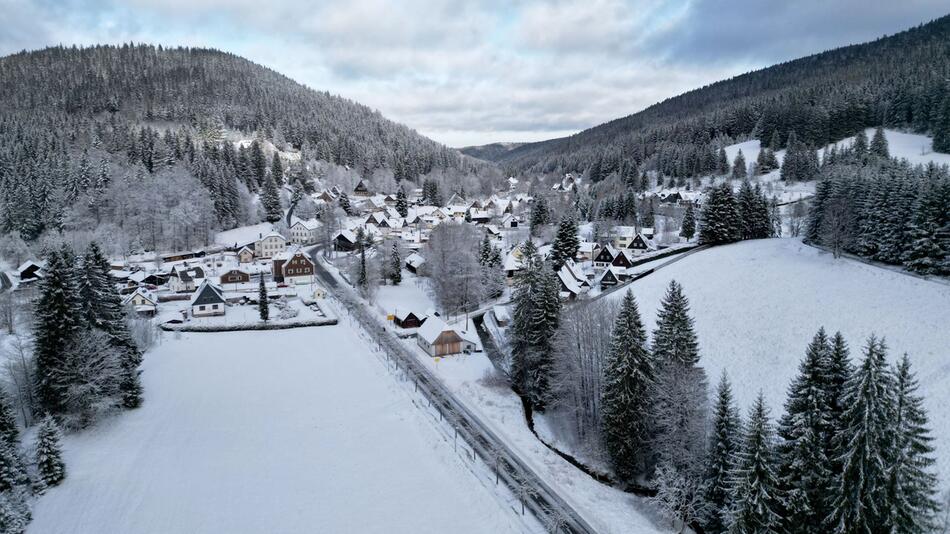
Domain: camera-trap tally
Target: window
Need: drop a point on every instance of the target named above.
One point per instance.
(201, 308)
(214, 306)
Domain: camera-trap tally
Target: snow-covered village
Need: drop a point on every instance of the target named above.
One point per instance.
(233, 303)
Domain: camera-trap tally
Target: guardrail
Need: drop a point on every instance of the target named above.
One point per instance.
(533, 493)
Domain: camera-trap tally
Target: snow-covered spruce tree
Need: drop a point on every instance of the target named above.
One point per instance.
(879, 144)
(723, 449)
(49, 457)
(12, 473)
(626, 399)
(491, 274)
(402, 205)
(8, 425)
(277, 169)
(865, 445)
(57, 322)
(395, 266)
(804, 475)
(14, 512)
(674, 340)
(566, 242)
(837, 373)
(720, 220)
(746, 204)
(739, 171)
(912, 486)
(270, 200)
(929, 249)
(680, 397)
(539, 214)
(362, 277)
(722, 162)
(754, 489)
(536, 314)
(263, 308)
(688, 227)
(344, 202)
(103, 310)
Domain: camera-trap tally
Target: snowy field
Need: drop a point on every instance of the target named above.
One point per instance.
(243, 234)
(411, 294)
(757, 304)
(292, 431)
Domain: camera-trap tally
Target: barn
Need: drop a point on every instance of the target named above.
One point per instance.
(439, 339)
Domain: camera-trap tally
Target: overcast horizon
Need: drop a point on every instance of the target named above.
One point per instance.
(470, 75)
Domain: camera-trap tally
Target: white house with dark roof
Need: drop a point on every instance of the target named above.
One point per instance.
(207, 301)
(142, 301)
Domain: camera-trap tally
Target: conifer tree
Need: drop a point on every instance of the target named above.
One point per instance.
(912, 485)
(739, 170)
(402, 205)
(13, 476)
(626, 398)
(395, 266)
(9, 431)
(722, 162)
(879, 144)
(263, 308)
(102, 309)
(57, 322)
(688, 227)
(674, 340)
(535, 320)
(566, 242)
(270, 200)
(865, 445)
(723, 449)
(748, 211)
(860, 146)
(754, 493)
(49, 460)
(929, 248)
(539, 214)
(362, 280)
(804, 474)
(277, 169)
(720, 221)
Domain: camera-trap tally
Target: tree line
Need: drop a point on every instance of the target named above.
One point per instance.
(850, 453)
(883, 209)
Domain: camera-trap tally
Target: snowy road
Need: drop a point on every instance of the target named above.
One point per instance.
(288, 431)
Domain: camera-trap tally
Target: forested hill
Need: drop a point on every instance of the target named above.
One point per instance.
(208, 89)
(120, 137)
(900, 81)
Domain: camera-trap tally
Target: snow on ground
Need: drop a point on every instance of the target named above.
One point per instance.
(235, 436)
(244, 234)
(757, 304)
(411, 294)
(915, 148)
(474, 380)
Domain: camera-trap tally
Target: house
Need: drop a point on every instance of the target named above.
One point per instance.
(207, 301)
(586, 251)
(142, 301)
(235, 276)
(609, 278)
(439, 339)
(344, 241)
(181, 281)
(269, 245)
(404, 318)
(509, 221)
(623, 259)
(304, 232)
(605, 257)
(414, 262)
(502, 315)
(326, 196)
(245, 255)
(478, 216)
(639, 243)
(362, 189)
(293, 266)
(569, 286)
(29, 270)
(455, 199)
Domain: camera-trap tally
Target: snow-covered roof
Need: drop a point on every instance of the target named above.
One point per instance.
(415, 260)
(145, 293)
(207, 293)
(568, 280)
(432, 329)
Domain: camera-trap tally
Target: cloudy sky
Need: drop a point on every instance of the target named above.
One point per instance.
(478, 72)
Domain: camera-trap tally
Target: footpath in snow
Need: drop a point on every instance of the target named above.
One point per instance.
(289, 431)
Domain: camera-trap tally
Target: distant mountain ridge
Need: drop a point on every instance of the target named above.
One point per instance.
(489, 152)
(900, 81)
